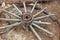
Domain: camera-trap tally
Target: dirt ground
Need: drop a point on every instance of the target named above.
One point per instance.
(21, 34)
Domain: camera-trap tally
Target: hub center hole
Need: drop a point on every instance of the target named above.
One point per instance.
(27, 17)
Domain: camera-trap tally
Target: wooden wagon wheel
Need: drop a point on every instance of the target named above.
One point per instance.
(28, 19)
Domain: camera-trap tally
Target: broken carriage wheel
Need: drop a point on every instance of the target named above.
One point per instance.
(27, 19)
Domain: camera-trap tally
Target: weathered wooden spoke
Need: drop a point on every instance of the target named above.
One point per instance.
(6, 19)
(39, 12)
(42, 29)
(24, 4)
(17, 8)
(34, 7)
(39, 38)
(43, 17)
(7, 26)
(39, 22)
(12, 14)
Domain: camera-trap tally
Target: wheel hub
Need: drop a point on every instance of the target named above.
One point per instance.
(26, 18)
